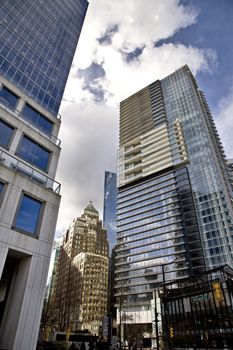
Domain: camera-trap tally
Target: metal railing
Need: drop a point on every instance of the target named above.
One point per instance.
(4, 104)
(24, 169)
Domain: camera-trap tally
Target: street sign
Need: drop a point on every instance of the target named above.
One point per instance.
(199, 298)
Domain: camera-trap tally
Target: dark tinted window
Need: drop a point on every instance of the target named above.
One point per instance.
(1, 187)
(8, 97)
(28, 214)
(37, 119)
(33, 153)
(6, 132)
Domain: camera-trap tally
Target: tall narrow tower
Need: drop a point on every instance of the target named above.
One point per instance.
(174, 196)
(38, 40)
(109, 215)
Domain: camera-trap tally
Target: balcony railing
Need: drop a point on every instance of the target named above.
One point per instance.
(20, 116)
(24, 169)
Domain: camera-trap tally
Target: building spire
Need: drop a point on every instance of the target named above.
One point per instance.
(90, 207)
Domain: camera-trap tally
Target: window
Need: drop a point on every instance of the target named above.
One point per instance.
(6, 132)
(8, 97)
(2, 188)
(33, 153)
(28, 214)
(37, 119)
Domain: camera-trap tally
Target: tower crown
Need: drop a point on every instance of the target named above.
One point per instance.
(90, 207)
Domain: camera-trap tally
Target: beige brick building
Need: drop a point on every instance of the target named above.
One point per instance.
(79, 298)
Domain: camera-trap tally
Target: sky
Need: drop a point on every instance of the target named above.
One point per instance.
(124, 46)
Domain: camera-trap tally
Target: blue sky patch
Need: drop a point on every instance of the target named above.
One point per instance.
(106, 39)
(132, 55)
(213, 30)
(91, 80)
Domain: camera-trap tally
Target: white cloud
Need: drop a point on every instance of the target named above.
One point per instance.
(90, 136)
(155, 63)
(139, 24)
(89, 131)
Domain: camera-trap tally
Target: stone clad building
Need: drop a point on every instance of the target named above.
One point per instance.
(38, 40)
(79, 300)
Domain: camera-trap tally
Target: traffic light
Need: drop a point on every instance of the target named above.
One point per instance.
(171, 332)
(218, 296)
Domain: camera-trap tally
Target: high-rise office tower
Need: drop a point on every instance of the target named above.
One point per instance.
(174, 193)
(110, 197)
(79, 297)
(37, 44)
(109, 222)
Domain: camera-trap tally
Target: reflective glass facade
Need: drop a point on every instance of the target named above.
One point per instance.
(156, 225)
(6, 132)
(174, 209)
(37, 44)
(33, 153)
(207, 166)
(8, 97)
(37, 119)
(38, 40)
(1, 186)
(28, 215)
(110, 198)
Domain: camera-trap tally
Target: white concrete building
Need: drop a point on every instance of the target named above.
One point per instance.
(38, 40)
(28, 213)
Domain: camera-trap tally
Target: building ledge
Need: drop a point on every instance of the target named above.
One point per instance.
(26, 170)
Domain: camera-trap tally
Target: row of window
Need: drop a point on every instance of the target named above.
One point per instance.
(145, 263)
(158, 195)
(149, 273)
(148, 230)
(28, 149)
(154, 221)
(12, 73)
(147, 213)
(151, 254)
(28, 213)
(146, 249)
(159, 181)
(174, 235)
(29, 113)
(144, 203)
(31, 17)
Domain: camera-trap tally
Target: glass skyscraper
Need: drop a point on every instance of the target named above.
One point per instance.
(37, 44)
(110, 198)
(38, 41)
(174, 208)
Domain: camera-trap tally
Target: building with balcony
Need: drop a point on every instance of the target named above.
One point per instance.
(174, 207)
(78, 299)
(38, 41)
